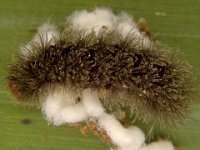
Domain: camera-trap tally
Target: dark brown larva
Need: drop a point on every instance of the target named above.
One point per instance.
(147, 78)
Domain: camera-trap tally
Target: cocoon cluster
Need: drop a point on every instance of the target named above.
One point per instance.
(102, 17)
(61, 108)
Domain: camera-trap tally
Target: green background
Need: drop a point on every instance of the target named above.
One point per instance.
(178, 26)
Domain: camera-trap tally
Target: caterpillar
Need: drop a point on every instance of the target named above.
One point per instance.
(150, 79)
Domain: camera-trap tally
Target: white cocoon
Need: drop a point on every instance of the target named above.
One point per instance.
(160, 145)
(59, 107)
(73, 113)
(122, 137)
(93, 20)
(51, 109)
(103, 17)
(46, 34)
(92, 103)
(126, 25)
(138, 139)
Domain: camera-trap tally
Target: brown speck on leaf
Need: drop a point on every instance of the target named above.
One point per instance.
(25, 121)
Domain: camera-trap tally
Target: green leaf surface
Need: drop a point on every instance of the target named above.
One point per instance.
(174, 22)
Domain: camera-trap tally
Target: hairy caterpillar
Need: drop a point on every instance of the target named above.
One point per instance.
(124, 71)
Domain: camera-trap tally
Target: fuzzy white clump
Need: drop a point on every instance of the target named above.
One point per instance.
(60, 107)
(92, 103)
(74, 113)
(93, 20)
(126, 25)
(138, 139)
(160, 145)
(51, 109)
(124, 138)
(102, 17)
(46, 34)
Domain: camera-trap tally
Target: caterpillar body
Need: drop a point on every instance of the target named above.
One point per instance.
(148, 79)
